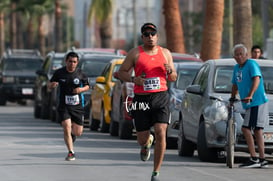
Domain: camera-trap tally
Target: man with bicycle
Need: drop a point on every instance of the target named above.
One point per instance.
(247, 80)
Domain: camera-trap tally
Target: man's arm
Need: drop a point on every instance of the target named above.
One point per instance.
(52, 85)
(234, 90)
(125, 70)
(79, 90)
(255, 84)
(171, 72)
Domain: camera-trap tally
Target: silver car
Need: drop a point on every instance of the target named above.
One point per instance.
(203, 122)
(185, 74)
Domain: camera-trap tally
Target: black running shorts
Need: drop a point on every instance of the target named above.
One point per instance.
(150, 109)
(75, 113)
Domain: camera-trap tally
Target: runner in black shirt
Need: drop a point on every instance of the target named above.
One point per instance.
(72, 82)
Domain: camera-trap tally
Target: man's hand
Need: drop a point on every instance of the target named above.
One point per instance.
(77, 90)
(52, 85)
(168, 68)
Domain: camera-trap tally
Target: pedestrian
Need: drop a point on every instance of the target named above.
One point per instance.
(72, 83)
(153, 66)
(247, 80)
(257, 52)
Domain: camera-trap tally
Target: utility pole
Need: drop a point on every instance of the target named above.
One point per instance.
(230, 27)
(135, 23)
(264, 11)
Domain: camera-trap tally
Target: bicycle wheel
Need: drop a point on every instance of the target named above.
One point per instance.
(230, 143)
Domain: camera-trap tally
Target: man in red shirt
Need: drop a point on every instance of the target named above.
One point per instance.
(153, 66)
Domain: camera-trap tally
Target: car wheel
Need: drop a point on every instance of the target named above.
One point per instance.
(185, 147)
(37, 110)
(113, 128)
(94, 123)
(3, 100)
(104, 127)
(114, 124)
(45, 108)
(204, 153)
(125, 126)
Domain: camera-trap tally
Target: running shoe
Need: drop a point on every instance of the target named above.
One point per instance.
(264, 163)
(73, 137)
(155, 176)
(251, 163)
(145, 150)
(70, 156)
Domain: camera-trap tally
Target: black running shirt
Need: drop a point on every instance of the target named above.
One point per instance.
(67, 82)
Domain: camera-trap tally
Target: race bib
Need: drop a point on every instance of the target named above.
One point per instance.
(152, 84)
(72, 100)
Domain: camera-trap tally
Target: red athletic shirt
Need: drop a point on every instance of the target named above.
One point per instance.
(152, 67)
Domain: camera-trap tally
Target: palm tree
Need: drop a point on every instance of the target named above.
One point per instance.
(2, 33)
(36, 10)
(58, 26)
(242, 18)
(13, 22)
(173, 26)
(3, 6)
(101, 11)
(213, 27)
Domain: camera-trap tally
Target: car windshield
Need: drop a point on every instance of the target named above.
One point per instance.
(268, 81)
(185, 77)
(56, 64)
(223, 76)
(93, 68)
(22, 64)
(116, 68)
(222, 81)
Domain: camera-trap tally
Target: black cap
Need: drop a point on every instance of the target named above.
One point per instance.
(148, 26)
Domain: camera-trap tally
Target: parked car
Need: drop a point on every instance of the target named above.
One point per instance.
(123, 92)
(185, 74)
(203, 124)
(45, 100)
(108, 51)
(17, 74)
(93, 65)
(101, 97)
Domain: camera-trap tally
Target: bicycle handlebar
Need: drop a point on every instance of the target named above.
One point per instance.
(232, 99)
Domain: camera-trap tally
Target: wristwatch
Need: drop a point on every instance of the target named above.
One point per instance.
(132, 79)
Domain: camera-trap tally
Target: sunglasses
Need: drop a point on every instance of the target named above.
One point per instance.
(147, 34)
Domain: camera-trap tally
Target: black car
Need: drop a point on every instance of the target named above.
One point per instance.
(45, 100)
(17, 74)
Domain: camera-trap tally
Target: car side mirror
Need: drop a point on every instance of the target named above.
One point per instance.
(194, 89)
(40, 72)
(100, 79)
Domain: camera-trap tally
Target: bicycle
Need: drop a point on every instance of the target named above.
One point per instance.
(231, 127)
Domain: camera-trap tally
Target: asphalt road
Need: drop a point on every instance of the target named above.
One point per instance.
(34, 150)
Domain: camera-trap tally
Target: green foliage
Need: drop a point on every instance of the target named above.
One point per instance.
(193, 30)
(257, 32)
(100, 10)
(35, 7)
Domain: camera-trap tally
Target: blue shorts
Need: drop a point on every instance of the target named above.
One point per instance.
(150, 109)
(256, 117)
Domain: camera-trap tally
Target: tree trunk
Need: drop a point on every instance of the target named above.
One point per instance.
(13, 34)
(106, 33)
(173, 26)
(41, 35)
(20, 31)
(213, 27)
(2, 33)
(242, 23)
(58, 26)
(30, 33)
